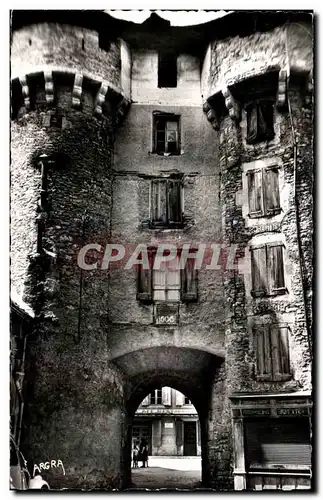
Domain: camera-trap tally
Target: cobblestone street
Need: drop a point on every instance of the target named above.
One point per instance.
(168, 472)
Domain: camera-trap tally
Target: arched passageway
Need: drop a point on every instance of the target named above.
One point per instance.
(190, 371)
(166, 432)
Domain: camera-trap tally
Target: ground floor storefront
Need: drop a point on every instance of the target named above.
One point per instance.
(272, 442)
(169, 435)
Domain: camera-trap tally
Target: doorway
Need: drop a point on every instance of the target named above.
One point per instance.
(190, 437)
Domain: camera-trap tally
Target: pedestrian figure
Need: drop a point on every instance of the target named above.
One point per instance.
(135, 455)
(143, 450)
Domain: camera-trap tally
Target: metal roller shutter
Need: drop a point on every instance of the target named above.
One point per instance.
(278, 442)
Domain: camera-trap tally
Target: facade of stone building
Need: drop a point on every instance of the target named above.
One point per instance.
(169, 423)
(150, 134)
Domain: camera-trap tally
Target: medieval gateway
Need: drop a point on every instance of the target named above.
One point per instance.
(147, 133)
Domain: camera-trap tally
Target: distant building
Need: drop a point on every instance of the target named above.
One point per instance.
(169, 423)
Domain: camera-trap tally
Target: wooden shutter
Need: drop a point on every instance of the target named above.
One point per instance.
(271, 191)
(174, 201)
(263, 354)
(252, 123)
(146, 401)
(189, 277)
(159, 202)
(255, 193)
(145, 280)
(280, 352)
(166, 396)
(258, 271)
(180, 399)
(275, 263)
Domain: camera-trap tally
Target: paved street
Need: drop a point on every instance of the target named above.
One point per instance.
(168, 472)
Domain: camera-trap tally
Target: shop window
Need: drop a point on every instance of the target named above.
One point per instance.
(263, 192)
(267, 270)
(260, 121)
(167, 70)
(166, 135)
(272, 352)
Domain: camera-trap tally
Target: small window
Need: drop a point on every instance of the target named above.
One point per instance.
(168, 284)
(272, 352)
(263, 192)
(166, 203)
(156, 397)
(166, 135)
(167, 70)
(260, 121)
(267, 270)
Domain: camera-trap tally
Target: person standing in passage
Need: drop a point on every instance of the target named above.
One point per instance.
(135, 455)
(143, 450)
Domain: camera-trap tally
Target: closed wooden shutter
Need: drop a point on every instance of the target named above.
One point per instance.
(258, 271)
(262, 339)
(146, 401)
(275, 263)
(255, 193)
(271, 191)
(144, 292)
(180, 399)
(174, 201)
(280, 351)
(159, 201)
(280, 442)
(189, 277)
(166, 396)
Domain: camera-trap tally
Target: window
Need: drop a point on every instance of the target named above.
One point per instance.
(272, 352)
(263, 192)
(168, 284)
(156, 397)
(167, 70)
(267, 270)
(187, 401)
(166, 202)
(166, 135)
(260, 121)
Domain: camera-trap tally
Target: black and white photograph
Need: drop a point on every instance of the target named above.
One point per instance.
(162, 244)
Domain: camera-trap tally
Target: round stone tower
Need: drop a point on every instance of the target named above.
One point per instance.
(70, 89)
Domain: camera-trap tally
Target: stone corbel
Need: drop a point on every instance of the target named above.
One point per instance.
(25, 91)
(122, 110)
(49, 87)
(282, 89)
(100, 98)
(77, 91)
(211, 115)
(231, 104)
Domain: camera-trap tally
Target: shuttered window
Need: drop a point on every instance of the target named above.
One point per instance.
(167, 396)
(272, 352)
(166, 135)
(274, 443)
(263, 192)
(260, 121)
(267, 270)
(166, 202)
(167, 282)
(156, 397)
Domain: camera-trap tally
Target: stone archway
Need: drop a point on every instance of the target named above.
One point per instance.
(188, 370)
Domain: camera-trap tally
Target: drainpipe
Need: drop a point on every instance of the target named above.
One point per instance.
(19, 384)
(78, 338)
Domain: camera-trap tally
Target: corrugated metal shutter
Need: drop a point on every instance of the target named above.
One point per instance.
(277, 442)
